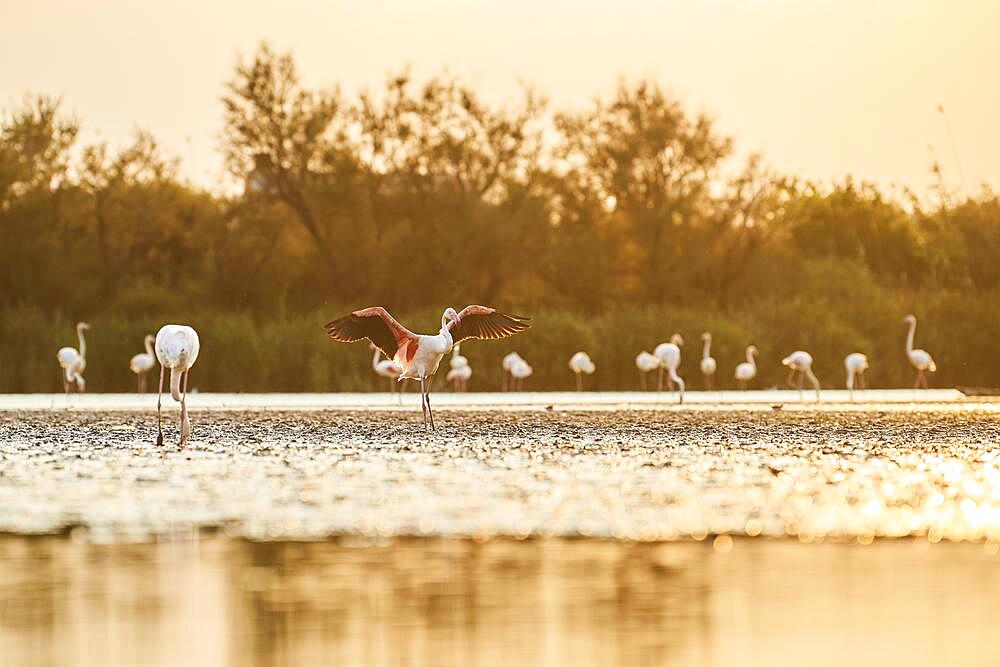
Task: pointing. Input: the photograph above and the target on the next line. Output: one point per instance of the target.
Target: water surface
(440, 602)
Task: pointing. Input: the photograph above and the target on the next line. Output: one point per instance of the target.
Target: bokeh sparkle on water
(643, 475)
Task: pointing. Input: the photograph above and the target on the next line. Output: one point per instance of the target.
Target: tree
(648, 165)
(277, 138)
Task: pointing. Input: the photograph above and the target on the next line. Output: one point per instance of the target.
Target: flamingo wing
(487, 323)
(375, 324)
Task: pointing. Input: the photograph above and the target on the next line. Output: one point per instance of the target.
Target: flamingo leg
(670, 383)
(138, 388)
(185, 423)
(579, 382)
(423, 400)
(430, 414)
(861, 380)
(708, 382)
(791, 376)
(920, 376)
(659, 381)
(159, 412)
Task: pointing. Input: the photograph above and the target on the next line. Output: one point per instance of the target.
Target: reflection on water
(216, 601)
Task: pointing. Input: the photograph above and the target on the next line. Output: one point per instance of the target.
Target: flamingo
(747, 370)
(708, 364)
(177, 348)
(519, 372)
(646, 363)
(581, 363)
(801, 362)
(460, 371)
(387, 368)
(457, 359)
(856, 364)
(507, 363)
(920, 359)
(420, 355)
(669, 355)
(459, 377)
(143, 362)
(74, 362)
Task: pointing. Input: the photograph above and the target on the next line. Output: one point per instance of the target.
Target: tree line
(614, 225)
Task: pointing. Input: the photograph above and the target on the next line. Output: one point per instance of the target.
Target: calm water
(218, 601)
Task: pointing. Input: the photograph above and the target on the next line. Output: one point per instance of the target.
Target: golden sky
(822, 88)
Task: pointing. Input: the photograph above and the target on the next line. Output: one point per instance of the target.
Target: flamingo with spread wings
(419, 355)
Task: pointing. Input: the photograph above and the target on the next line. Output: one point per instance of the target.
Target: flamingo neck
(83, 342)
(750, 358)
(909, 336)
(706, 348)
(446, 333)
(375, 359)
(148, 341)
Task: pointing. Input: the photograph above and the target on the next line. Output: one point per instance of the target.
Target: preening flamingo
(143, 362)
(507, 363)
(420, 355)
(74, 362)
(920, 359)
(669, 355)
(177, 348)
(460, 371)
(646, 363)
(387, 368)
(855, 363)
(520, 372)
(708, 365)
(801, 362)
(581, 363)
(747, 370)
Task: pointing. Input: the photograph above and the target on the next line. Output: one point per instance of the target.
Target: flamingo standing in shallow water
(708, 365)
(581, 363)
(386, 368)
(801, 362)
(177, 348)
(520, 372)
(669, 355)
(143, 362)
(420, 355)
(855, 363)
(507, 363)
(747, 370)
(646, 363)
(920, 359)
(74, 362)
(460, 371)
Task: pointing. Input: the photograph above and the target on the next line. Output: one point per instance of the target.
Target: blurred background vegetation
(614, 226)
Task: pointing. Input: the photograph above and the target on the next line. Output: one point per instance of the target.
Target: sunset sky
(821, 88)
